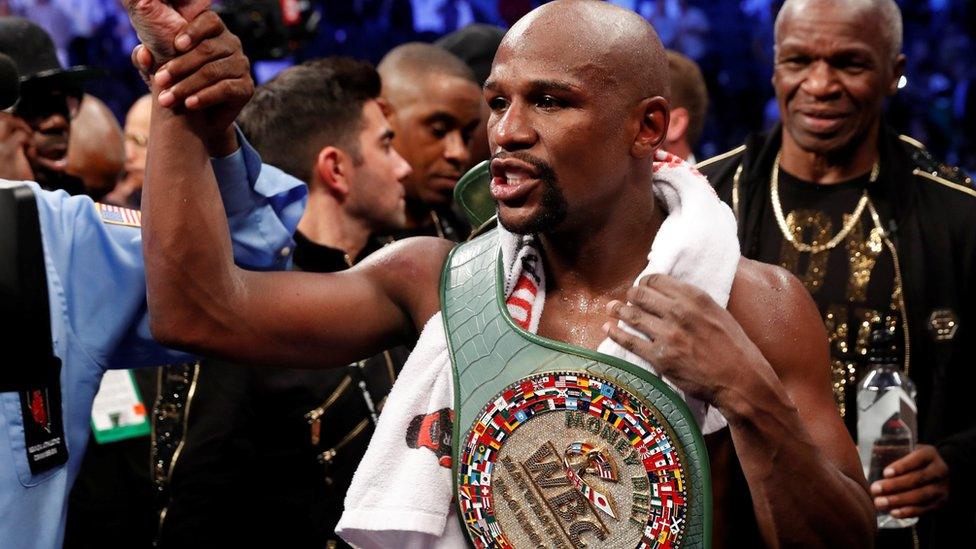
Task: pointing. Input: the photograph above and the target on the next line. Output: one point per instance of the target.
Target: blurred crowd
(730, 39)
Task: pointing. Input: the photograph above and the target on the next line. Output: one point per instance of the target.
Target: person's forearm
(799, 496)
(185, 236)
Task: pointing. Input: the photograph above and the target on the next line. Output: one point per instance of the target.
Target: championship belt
(559, 446)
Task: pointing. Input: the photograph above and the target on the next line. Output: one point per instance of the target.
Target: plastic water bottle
(886, 414)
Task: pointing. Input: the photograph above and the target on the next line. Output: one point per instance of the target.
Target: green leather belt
(560, 446)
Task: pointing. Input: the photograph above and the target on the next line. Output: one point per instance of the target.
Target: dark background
(731, 39)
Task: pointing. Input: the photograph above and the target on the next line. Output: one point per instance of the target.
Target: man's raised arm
(199, 300)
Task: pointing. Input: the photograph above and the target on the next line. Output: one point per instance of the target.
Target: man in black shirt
(435, 106)
(476, 45)
(267, 454)
(878, 232)
(50, 96)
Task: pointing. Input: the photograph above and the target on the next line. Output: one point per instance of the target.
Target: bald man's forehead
(573, 37)
(823, 27)
(404, 92)
(864, 20)
(822, 13)
(593, 42)
(536, 60)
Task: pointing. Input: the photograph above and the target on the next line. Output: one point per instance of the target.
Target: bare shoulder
(411, 259)
(779, 316)
(409, 271)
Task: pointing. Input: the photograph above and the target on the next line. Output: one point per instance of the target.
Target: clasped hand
(691, 340)
(192, 61)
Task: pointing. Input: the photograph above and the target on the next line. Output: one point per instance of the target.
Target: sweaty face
(376, 190)
(434, 123)
(833, 71)
(556, 132)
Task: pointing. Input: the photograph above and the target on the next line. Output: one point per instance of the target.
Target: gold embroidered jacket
(929, 212)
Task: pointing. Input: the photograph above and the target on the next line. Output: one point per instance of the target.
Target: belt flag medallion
(571, 459)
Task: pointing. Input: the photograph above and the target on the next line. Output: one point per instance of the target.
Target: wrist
(222, 145)
(218, 143)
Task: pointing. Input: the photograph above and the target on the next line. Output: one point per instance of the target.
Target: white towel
(401, 493)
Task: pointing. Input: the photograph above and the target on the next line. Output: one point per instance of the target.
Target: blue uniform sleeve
(96, 270)
(263, 213)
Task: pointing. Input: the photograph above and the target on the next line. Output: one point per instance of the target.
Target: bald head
(95, 150)
(137, 119)
(410, 65)
(436, 107)
(136, 143)
(605, 38)
(885, 13)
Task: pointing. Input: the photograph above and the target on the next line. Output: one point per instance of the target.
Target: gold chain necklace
(786, 229)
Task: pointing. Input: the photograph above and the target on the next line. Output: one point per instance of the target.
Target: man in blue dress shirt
(96, 291)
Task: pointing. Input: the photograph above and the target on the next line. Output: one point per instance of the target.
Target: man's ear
(653, 128)
(332, 167)
(678, 126)
(899, 71)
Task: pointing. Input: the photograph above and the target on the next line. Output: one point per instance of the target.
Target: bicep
(310, 320)
(792, 338)
(799, 352)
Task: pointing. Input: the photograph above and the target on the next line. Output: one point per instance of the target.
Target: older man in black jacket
(878, 231)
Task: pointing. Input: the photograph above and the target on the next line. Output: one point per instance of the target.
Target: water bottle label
(884, 415)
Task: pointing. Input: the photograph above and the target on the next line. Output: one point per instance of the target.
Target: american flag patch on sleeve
(119, 216)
